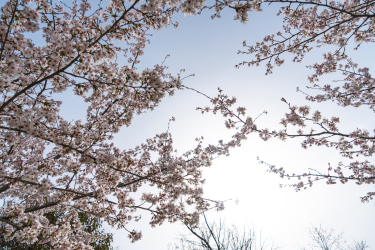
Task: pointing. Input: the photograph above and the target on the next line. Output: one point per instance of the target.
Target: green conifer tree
(90, 225)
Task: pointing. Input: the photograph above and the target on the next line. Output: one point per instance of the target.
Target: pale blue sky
(209, 48)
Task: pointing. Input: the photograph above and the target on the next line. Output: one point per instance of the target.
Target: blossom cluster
(322, 133)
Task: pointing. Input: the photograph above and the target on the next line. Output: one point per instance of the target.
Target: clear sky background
(208, 48)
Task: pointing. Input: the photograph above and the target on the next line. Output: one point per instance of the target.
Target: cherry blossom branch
(8, 30)
(318, 4)
(20, 228)
(66, 66)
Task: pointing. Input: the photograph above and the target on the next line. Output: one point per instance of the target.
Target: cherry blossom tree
(343, 25)
(90, 225)
(50, 165)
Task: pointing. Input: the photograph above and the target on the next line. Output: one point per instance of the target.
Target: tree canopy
(50, 165)
(90, 225)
